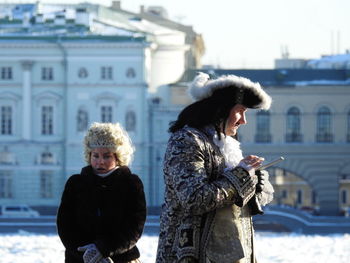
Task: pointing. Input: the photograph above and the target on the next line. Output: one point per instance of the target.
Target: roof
(281, 77)
(72, 19)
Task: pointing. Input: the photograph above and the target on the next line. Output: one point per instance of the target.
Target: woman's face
(102, 160)
(235, 119)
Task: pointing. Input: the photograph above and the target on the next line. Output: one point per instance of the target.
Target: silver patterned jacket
(205, 216)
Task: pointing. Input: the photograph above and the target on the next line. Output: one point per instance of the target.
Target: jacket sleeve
(185, 173)
(66, 226)
(125, 236)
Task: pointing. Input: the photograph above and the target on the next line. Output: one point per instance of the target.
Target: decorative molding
(27, 65)
(7, 95)
(107, 96)
(49, 95)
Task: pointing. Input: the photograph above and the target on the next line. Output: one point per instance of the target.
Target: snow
(271, 248)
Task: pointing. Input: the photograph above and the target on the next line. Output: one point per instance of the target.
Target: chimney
(116, 5)
(82, 17)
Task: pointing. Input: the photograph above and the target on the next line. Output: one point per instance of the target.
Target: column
(27, 109)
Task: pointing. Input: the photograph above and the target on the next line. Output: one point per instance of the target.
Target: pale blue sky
(250, 33)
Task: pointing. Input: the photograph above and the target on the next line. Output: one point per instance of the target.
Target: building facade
(63, 67)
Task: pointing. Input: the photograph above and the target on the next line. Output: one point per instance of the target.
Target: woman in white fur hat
(103, 209)
(211, 190)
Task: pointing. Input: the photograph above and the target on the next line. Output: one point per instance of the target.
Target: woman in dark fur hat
(212, 191)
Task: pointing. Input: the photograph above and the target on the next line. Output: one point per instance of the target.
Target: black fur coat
(107, 211)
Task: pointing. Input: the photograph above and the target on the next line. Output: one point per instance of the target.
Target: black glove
(261, 181)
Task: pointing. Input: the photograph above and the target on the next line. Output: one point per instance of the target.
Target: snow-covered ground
(271, 248)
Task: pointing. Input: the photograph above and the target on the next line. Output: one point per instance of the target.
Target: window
(82, 120)
(263, 127)
(6, 120)
(106, 114)
(5, 184)
(107, 73)
(47, 73)
(293, 125)
(284, 193)
(299, 197)
(47, 120)
(6, 73)
(47, 158)
(130, 73)
(46, 187)
(344, 196)
(130, 121)
(82, 73)
(324, 124)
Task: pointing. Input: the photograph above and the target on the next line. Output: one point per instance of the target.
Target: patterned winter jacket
(205, 214)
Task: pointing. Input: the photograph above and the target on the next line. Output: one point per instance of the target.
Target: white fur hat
(203, 87)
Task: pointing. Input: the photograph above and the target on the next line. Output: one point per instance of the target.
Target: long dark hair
(210, 111)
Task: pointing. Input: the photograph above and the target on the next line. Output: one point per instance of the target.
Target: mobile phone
(264, 166)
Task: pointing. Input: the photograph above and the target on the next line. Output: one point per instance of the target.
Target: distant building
(308, 124)
(63, 67)
(338, 61)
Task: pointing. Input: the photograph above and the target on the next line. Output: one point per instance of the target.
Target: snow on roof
(331, 61)
(100, 20)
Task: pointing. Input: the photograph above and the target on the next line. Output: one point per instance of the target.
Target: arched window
(130, 73)
(293, 125)
(82, 120)
(263, 127)
(324, 124)
(82, 73)
(6, 120)
(130, 121)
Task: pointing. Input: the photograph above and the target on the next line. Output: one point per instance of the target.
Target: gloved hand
(261, 180)
(91, 253)
(250, 163)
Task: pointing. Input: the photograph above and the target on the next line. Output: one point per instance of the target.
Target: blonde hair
(109, 135)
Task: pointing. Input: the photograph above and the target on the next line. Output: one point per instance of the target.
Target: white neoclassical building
(63, 67)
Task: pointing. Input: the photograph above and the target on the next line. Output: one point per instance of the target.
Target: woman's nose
(243, 119)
